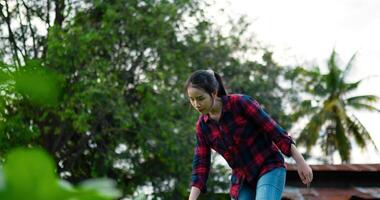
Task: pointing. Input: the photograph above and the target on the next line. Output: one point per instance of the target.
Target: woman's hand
(305, 173)
(304, 170)
(194, 193)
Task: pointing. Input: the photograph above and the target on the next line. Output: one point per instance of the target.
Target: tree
(330, 107)
(120, 111)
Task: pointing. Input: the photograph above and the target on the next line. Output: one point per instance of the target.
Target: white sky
(300, 31)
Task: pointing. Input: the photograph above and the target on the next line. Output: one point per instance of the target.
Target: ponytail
(221, 89)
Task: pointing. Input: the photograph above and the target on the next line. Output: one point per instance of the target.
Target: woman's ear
(214, 95)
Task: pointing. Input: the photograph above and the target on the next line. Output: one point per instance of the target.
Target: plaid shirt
(247, 138)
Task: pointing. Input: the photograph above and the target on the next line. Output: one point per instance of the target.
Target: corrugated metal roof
(330, 193)
(342, 167)
(333, 193)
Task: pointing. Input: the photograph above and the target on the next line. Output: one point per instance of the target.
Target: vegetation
(30, 174)
(331, 108)
(98, 85)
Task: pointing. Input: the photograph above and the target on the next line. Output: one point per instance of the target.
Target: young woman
(236, 127)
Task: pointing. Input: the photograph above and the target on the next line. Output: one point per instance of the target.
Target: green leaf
(37, 85)
(29, 174)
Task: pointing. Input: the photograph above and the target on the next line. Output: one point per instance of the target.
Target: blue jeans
(269, 186)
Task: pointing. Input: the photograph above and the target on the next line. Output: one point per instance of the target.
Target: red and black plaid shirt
(247, 138)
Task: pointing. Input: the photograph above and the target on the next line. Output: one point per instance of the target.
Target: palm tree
(329, 110)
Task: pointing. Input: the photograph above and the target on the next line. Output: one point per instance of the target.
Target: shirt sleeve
(201, 161)
(266, 124)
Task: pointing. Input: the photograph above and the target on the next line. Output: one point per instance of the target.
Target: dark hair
(206, 80)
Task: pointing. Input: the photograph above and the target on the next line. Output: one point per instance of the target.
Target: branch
(11, 35)
(45, 44)
(23, 32)
(31, 28)
(59, 8)
(48, 13)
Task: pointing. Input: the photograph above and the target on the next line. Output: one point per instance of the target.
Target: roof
(341, 167)
(330, 193)
(335, 182)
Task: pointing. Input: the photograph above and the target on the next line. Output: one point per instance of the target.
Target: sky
(301, 31)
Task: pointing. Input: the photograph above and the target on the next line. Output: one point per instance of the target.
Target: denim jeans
(269, 186)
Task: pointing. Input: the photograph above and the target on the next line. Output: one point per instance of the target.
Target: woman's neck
(217, 107)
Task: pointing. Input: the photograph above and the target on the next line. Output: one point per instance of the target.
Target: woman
(249, 140)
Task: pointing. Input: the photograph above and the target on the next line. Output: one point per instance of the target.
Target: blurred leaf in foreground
(30, 174)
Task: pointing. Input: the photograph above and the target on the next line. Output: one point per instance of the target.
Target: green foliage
(21, 90)
(120, 110)
(30, 174)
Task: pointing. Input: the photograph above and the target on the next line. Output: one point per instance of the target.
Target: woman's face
(200, 100)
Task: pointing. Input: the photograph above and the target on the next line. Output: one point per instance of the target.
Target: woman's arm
(304, 170)
(201, 164)
(194, 193)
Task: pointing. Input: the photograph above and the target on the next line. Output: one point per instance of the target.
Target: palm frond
(348, 67)
(353, 126)
(310, 134)
(363, 106)
(363, 99)
(363, 131)
(342, 142)
(332, 79)
(347, 87)
(354, 129)
(331, 61)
